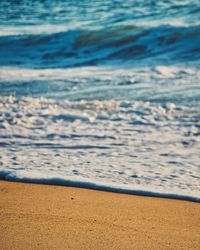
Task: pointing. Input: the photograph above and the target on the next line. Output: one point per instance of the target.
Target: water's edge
(8, 176)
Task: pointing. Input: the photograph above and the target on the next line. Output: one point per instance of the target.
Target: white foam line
(12, 176)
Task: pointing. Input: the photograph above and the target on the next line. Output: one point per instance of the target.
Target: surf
(112, 45)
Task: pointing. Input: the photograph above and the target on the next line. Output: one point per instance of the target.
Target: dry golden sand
(54, 217)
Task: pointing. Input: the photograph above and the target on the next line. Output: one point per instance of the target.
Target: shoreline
(57, 181)
(37, 216)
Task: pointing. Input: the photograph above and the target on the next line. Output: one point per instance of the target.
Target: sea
(101, 94)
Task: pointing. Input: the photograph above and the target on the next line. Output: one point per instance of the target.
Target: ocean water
(102, 94)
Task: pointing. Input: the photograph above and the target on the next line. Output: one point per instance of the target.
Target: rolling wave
(127, 44)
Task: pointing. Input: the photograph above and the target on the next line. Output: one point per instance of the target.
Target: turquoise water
(101, 94)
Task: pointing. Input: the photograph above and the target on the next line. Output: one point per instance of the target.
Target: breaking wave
(116, 44)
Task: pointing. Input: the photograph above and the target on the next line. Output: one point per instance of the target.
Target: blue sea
(101, 94)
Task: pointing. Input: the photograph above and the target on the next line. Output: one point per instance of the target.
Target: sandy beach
(55, 217)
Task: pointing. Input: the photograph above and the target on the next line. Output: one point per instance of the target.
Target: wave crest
(103, 46)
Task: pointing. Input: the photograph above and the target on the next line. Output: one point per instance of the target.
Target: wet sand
(36, 216)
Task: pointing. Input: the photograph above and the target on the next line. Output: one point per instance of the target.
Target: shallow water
(102, 94)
